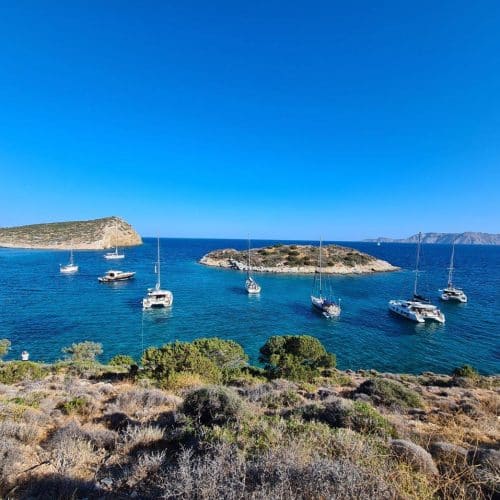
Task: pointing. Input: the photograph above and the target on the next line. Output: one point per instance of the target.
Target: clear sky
(278, 119)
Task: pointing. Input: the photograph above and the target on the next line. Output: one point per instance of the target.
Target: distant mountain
(81, 235)
(467, 238)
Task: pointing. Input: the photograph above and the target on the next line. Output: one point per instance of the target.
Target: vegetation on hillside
(280, 255)
(75, 233)
(194, 420)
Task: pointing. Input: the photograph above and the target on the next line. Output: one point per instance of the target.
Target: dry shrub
(141, 403)
(57, 487)
(24, 432)
(75, 457)
(98, 436)
(147, 465)
(140, 437)
(180, 381)
(11, 459)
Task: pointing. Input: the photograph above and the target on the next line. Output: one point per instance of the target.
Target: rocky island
(94, 234)
(467, 238)
(298, 259)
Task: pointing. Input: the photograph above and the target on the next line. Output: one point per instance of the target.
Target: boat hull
(68, 269)
(252, 287)
(113, 279)
(113, 256)
(326, 308)
(158, 299)
(416, 311)
(454, 295)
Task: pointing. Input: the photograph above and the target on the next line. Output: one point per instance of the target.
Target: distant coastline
(97, 234)
(298, 259)
(466, 238)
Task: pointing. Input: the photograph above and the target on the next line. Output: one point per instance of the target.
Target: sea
(43, 311)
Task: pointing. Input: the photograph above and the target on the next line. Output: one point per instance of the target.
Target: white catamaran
(417, 308)
(115, 255)
(251, 285)
(452, 293)
(328, 307)
(70, 267)
(156, 297)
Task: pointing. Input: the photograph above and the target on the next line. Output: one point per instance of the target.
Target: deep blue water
(43, 311)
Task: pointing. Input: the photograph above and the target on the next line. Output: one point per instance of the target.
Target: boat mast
(320, 266)
(450, 269)
(116, 238)
(416, 268)
(248, 266)
(71, 255)
(158, 266)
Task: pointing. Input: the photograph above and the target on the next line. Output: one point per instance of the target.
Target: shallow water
(43, 311)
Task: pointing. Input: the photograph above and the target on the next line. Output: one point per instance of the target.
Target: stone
(443, 451)
(414, 455)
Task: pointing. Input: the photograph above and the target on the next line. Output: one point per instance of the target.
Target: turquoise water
(43, 311)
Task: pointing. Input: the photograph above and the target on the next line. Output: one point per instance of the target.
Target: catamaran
(328, 307)
(452, 293)
(156, 297)
(251, 285)
(418, 308)
(70, 267)
(115, 255)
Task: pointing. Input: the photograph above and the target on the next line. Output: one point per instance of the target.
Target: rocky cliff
(467, 238)
(298, 259)
(81, 235)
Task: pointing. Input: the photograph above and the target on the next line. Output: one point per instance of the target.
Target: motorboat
(112, 276)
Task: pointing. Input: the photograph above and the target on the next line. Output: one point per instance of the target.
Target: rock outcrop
(95, 234)
(298, 259)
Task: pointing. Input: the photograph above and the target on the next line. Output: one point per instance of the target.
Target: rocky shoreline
(97, 234)
(298, 259)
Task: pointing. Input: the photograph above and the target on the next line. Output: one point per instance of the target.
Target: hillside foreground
(195, 421)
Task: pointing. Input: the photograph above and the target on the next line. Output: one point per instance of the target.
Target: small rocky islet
(96, 234)
(298, 259)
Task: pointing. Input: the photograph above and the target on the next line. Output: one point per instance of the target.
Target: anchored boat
(112, 276)
(70, 267)
(251, 285)
(156, 297)
(418, 309)
(116, 254)
(451, 293)
(328, 307)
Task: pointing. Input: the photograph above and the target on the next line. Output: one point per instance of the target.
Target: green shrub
(295, 357)
(83, 351)
(367, 420)
(228, 355)
(465, 371)
(161, 363)
(213, 405)
(121, 360)
(390, 393)
(4, 347)
(278, 400)
(79, 405)
(17, 371)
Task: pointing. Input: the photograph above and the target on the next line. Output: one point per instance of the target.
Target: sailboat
(328, 307)
(70, 267)
(451, 293)
(251, 285)
(115, 254)
(418, 308)
(156, 297)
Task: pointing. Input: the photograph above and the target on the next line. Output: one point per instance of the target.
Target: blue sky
(278, 119)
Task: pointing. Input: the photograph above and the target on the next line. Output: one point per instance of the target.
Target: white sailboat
(418, 308)
(156, 297)
(115, 255)
(328, 307)
(251, 285)
(452, 293)
(70, 267)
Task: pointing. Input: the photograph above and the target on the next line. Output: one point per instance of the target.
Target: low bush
(4, 347)
(466, 371)
(161, 363)
(390, 393)
(295, 357)
(83, 351)
(213, 405)
(79, 405)
(19, 371)
(121, 360)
